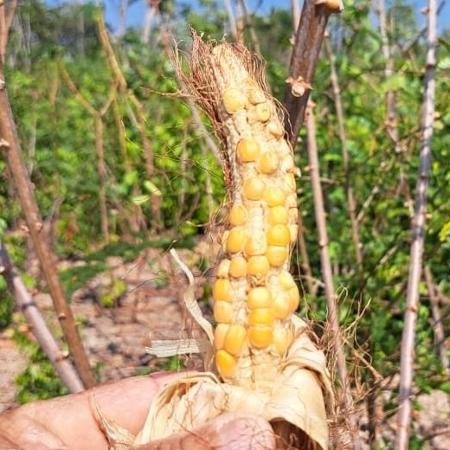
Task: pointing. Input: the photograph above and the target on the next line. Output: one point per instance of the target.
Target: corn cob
(266, 361)
(254, 294)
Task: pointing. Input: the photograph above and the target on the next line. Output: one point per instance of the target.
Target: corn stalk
(418, 238)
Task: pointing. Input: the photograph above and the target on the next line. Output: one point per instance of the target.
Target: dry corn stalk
(266, 361)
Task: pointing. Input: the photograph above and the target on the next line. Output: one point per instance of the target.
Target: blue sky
(137, 9)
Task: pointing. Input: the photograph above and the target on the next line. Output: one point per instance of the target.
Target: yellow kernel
(259, 297)
(282, 339)
(235, 338)
(274, 127)
(263, 112)
(294, 298)
(293, 233)
(258, 266)
(256, 244)
(260, 336)
(238, 214)
(223, 312)
(225, 363)
(238, 267)
(254, 188)
(274, 196)
(256, 96)
(260, 316)
(236, 240)
(219, 335)
(278, 235)
(276, 255)
(286, 280)
(278, 214)
(223, 269)
(233, 100)
(247, 150)
(268, 162)
(222, 290)
(281, 306)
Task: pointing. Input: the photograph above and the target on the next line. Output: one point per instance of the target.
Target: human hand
(68, 423)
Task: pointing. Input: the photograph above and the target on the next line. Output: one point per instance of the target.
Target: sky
(136, 10)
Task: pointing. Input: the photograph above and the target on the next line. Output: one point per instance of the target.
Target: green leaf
(140, 199)
(152, 188)
(445, 232)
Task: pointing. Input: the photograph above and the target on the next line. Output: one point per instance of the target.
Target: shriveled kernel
(223, 312)
(256, 96)
(263, 112)
(236, 240)
(276, 255)
(238, 267)
(260, 336)
(259, 297)
(268, 162)
(274, 127)
(254, 188)
(235, 338)
(290, 181)
(278, 235)
(261, 316)
(248, 150)
(278, 214)
(233, 100)
(258, 266)
(294, 298)
(274, 196)
(293, 215)
(223, 268)
(238, 214)
(286, 280)
(282, 339)
(219, 335)
(256, 244)
(222, 290)
(281, 306)
(293, 233)
(225, 363)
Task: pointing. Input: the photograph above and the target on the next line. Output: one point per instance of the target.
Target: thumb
(230, 431)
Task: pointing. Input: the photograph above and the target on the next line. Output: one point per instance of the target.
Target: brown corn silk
(266, 361)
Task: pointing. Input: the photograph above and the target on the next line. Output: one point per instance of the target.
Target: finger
(231, 431)
(71, 419)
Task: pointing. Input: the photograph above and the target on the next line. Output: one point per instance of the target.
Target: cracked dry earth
(116, 337)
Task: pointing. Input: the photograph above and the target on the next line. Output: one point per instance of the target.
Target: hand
(67, 423)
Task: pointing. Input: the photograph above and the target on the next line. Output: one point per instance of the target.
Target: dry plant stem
(391, 110)
(9, 144)
(418, 238)
(105, 42)
(351, 202)
(295, 8)
(231, 18)
(6, 19)
(39, 328)
(305, 264)
(320, 215)
(249, 22)
(308, 41)
(99, 144)
(437, 320)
